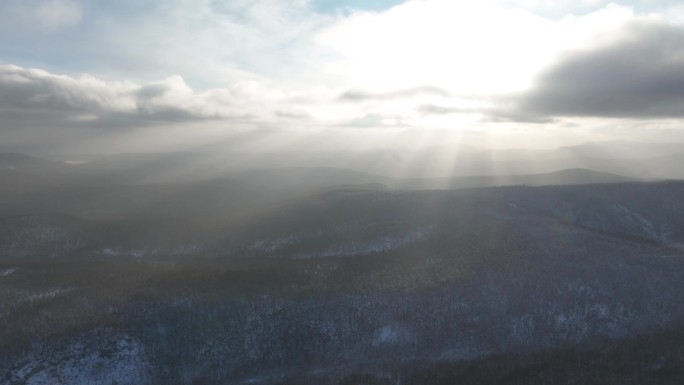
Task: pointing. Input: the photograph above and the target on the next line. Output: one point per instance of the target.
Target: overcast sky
(130, 75)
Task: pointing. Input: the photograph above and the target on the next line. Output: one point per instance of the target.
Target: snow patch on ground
(48, 294)
(8, 271)
(275, 244)
(383, 244)
(120, 359)
(118, 252)
(638, 221)
(678, 246)
(391, 335)
(149, 252)
(363, 244)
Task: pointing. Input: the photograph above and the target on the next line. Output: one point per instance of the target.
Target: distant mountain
(631, 159)
(664, 167)
(621, 149)
(179, 185)
(21, 176)
(171, 167)
(563, 177)
(305, 178)
(651, 167)
(20, 164)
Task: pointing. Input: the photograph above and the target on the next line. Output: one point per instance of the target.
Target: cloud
(434, 109)
(427, 64)
(360, 96)
(34, 89)
(210, 43)
(450, 44)
(638, 75)
(34, 94)
(375, 120)
(299, 115)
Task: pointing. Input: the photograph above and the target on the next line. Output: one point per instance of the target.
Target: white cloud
(33, 92)
(28, 89)
(465, 47)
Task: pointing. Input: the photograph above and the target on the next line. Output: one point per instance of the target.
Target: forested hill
(352, 286)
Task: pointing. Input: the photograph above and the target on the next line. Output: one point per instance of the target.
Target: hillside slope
(352, 285)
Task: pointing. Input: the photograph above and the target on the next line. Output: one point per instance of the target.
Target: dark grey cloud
(640, 75)
(362, 96)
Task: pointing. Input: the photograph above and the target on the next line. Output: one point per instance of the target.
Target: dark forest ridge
(136, 254)
(352, 285)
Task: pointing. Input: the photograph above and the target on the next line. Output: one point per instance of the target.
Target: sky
(87, 76)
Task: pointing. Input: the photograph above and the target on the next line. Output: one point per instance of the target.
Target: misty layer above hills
(192, 186)
(165, 203)
(633, 160)
(187, 202)
(212, 188)
(202, 187)
(636, 160)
